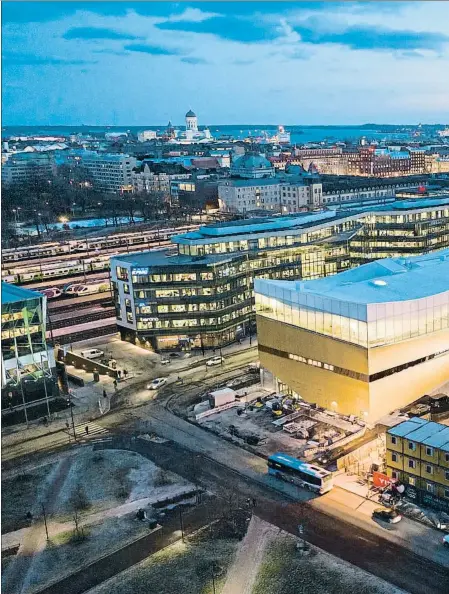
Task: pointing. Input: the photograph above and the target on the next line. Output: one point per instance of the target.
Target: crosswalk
(89, 430)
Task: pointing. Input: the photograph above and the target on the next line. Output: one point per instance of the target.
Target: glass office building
(200, 293)
(27, 361)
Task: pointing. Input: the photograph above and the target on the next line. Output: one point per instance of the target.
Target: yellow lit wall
(345, 394)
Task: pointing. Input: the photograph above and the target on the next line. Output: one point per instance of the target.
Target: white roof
(383, 281)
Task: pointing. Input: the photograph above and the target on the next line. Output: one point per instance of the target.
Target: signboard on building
(381, 480)
(140, 271)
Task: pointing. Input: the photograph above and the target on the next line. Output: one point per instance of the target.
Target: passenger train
(96, 244)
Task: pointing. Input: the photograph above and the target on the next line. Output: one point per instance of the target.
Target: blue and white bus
(300, 473)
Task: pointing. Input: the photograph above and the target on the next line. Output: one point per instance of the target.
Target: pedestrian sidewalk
(424, 515)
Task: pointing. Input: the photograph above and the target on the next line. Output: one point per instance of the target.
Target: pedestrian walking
(87, 430)
(254, 502)
(105, 394)
(125, 373)
(119, 374)
(67, 426)
(115, 384)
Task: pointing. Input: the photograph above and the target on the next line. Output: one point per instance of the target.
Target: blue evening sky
(126, 63)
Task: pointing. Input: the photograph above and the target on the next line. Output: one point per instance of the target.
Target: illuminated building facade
(201, 292)
(27, 360)
(364, 342)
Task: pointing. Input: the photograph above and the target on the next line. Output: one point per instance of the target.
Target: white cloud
(191, 15)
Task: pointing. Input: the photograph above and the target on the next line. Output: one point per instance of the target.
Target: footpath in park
(243, 572)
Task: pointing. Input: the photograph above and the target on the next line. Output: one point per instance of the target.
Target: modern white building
(363, 342)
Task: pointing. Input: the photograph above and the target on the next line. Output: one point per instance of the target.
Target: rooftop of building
(428, 433)
(166, 257)
(382, 281)
(251, 161)
(13, 294)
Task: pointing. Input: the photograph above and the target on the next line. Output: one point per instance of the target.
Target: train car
(88, 288)
(51, 293)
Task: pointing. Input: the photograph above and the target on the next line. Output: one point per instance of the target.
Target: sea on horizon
(299, 134)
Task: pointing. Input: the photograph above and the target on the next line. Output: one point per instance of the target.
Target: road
(409, 556)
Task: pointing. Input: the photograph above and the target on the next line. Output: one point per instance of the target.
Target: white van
(92, 354)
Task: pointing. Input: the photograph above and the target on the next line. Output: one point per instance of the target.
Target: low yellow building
(363, 342)
(418, 457)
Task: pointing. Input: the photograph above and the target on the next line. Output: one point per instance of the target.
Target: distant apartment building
(28, 166)
(143, 179)
(364, 342)
(27, 360)
(254, 185)
(364, 160)
(110, 172)
(418, 457)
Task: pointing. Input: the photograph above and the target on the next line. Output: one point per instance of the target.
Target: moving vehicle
(387, 515)
(165, 361)
(157, 383)
(308, 476)
(92, 353)
(446, 540)
(215, 361)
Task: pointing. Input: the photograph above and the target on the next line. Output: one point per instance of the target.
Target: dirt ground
(259, 423)
(285, 571)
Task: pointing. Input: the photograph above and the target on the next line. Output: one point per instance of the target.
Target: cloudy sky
(303, 63)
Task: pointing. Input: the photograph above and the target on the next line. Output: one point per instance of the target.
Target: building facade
(27, 360)
(302, 246)
(111, 172)
(24, 167)
(364, 342)
(418, 456)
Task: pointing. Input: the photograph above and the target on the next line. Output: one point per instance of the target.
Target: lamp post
(45, 384)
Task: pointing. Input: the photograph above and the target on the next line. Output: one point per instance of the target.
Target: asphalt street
(413, 559)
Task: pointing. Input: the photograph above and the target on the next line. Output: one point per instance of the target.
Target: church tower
(191, 121)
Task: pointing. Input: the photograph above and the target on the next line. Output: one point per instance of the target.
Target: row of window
(347, 372)
(412, 447)
(429, 469)
(430, 487)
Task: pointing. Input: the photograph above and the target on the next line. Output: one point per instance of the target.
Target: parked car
(215, 361)
(157, 383)
(446, 540)
(387, 515)
(175, 355)
(92, 353)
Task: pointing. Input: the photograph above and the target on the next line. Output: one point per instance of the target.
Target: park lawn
(285, 571)
(180, 568)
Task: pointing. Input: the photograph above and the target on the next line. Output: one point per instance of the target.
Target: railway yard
(74, 275)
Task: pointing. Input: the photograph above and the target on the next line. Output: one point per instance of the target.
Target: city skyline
(303, 63)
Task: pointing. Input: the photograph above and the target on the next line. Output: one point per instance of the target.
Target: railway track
(73, 318)
(74, 303)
